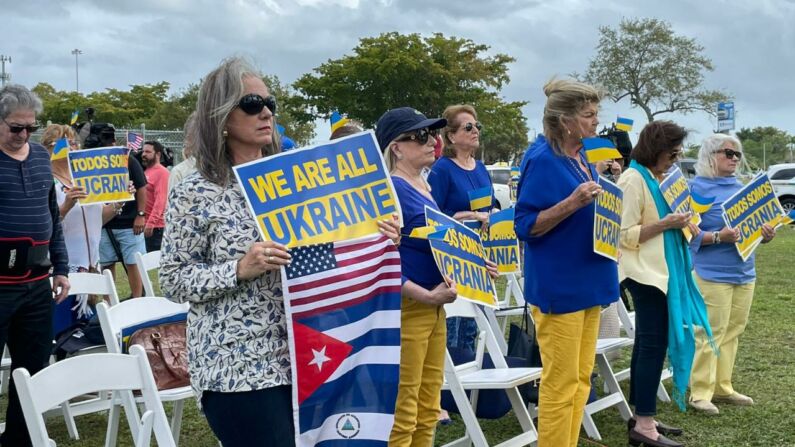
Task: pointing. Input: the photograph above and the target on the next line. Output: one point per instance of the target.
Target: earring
(399, 156)
(225, 133)
(568, 132)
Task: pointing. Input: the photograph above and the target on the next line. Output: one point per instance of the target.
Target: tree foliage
(659, 71)
(765, 146)
(290, 113)
(427, 73)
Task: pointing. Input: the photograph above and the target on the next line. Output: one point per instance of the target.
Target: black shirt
(130, 209)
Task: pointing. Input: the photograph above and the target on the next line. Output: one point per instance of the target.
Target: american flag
(134, 141)
(343, 309)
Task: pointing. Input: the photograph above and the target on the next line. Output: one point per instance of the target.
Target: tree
(429, 74)
(765, 146)
(290, 113)
(659, 71)
(173, 113)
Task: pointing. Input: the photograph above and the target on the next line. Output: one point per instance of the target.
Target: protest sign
(501, 244)
(750, 208)
(460, 256)
(607, 220)
(102, 173)
(330, 192)
(677, 194)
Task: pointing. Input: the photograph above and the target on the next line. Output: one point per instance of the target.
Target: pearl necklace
(578, 170)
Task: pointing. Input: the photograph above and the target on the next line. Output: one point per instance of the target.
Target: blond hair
(706, 164)
(565, 99)
(55, 132)
(451, 114)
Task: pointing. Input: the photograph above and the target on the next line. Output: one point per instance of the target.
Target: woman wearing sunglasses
(407, 138)
(655, 266)
(725, 280)
(456, 174)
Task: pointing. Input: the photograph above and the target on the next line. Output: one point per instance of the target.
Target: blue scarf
(685, 304)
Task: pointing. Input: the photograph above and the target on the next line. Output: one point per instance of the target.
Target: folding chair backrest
(627, 320)
(468, 309)
(135, 312)
(76, 376)
(94, 284)
(460, 308)
(147, 262)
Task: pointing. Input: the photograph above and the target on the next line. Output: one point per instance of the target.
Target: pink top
(156, 195)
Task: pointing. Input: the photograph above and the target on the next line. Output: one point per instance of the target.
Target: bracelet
(716, 237)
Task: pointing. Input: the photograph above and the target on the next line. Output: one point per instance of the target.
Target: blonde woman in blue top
(566, 283)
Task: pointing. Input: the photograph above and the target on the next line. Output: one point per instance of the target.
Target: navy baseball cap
(401, 120)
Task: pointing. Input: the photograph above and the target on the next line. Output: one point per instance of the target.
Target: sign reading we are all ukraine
(607, 220)
(102, 173)
(750, 208)
(461, 257)
(330, 192)
(501, 244)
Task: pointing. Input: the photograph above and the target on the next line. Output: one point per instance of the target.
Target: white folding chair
(614, 396)
(471, 376)
(121, 373)
(147, 262)
(131, 313)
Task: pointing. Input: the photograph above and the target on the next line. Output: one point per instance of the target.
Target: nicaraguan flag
(480, 198)
(700, 204)
(60, 149)
(599, 149)
(342, 301)
(624, 124)
(338, 120)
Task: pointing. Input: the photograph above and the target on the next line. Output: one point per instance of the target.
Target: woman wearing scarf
(655, 267)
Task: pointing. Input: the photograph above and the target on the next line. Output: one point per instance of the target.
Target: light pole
(4, 77)
(77, 52)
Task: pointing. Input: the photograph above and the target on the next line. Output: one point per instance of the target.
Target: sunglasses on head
(15, 128)
(421, 136)
(253, 104)
(729, 153)
(469, 126)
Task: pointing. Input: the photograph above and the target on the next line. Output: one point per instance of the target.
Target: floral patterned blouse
(237, 334)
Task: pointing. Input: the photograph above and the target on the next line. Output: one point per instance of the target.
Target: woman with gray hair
(725, 280)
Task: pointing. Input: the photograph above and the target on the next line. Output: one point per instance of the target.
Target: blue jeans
(651, 344)
(461, 333)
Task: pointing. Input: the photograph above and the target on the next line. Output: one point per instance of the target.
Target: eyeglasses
(14, 128)
(421, 136)
(253, 104)
(729, 153)
(469, 126)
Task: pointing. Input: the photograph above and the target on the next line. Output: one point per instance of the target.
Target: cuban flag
(343, 313)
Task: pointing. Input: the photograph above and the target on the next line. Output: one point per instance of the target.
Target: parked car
(688, 167)
(782, 176)
(500, 176)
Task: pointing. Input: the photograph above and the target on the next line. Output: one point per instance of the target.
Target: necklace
(422, 187)
(578, 170)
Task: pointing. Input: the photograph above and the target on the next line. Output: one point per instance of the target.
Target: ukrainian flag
(599, 149)
(338, 120)
(624, 124)
(430, 232)
(700, 204)
(60, 149)
(73, 119)
(480, 198)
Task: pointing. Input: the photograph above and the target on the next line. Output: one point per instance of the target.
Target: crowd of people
(213, 258)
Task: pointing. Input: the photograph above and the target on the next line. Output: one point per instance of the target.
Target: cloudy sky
(752, 44)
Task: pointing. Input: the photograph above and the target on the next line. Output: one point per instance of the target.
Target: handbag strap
(526, 317)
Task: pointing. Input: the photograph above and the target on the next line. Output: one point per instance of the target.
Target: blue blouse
(451, 183)
(718, 262)
(416, 259)
(562, 273)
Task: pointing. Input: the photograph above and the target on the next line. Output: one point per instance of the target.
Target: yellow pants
(568, 352)
(728, 306)
(423, 334)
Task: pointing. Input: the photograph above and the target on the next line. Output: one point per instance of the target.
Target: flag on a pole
(60, 150)
(624, 124)
(700, 204)
(134, 141)
(479, 198)
(342, 301)
(338, 120)
(599, 149)
(74, 117)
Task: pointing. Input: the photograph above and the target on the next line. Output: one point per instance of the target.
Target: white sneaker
(704, 406)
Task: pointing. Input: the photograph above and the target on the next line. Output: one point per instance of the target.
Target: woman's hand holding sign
(442, 294)
(585, 194)
(261, 257)
(390, 229)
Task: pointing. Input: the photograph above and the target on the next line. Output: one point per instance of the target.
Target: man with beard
(157, 192)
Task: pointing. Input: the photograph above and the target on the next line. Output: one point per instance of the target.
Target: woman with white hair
(725, 280)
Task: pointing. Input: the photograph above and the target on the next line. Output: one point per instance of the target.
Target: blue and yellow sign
(102, 173)
(330, 192)
(750, 208)
(501, 244)
(461, 256)
(677, 194)
(607, 220)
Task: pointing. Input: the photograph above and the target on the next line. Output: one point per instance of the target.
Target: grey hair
(706, 164)
(565, 98)
(220, 92)
(15, 97)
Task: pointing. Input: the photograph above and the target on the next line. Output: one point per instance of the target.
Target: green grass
(765, 370)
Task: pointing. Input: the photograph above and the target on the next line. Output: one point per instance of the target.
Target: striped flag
(342, 301)
(624, 124)
(60, 150)
(479, 198)
(599, 149)
(430, 232)
(134, 141)
(74, 117)
(338, 120)
(700, 204)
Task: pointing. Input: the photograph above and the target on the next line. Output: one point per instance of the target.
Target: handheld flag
(60, 149)
(134, 141)
(479, 198)
(338, 120)
(700, 204)
(624, 124)
(430, 232)
(73, 119)
(599, 149)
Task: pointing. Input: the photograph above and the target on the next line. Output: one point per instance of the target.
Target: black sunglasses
(469, 126)
(420, 136)
(253, 104)
(730, 153)
(17, 129)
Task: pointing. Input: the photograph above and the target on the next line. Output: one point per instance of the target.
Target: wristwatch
(141, 213)
(716, 237)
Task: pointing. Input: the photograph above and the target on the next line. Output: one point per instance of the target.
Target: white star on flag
(319, 358)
